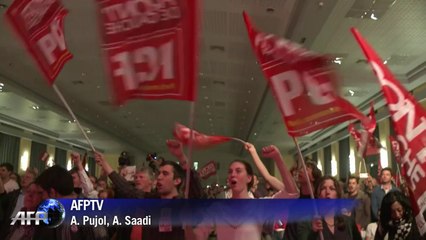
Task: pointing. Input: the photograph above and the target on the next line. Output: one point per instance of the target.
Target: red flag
(366, 143)
(409, 120)
(208, 170)
(397, 152)
(40, 25)
(151, 48)
(303, 84)
(371, 126)
(200, 140)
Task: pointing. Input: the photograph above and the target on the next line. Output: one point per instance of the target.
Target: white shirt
(10, 185)
(234, 230)
(371, 231)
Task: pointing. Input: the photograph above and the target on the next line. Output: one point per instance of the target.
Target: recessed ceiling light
(35, 107)
(210, 119)
(352, 92)
(1, 84)
(206, 98)
(252, 78)
(255, 134)
(373, 17)
(98, 86)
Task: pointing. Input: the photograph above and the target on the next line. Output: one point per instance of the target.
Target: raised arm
(275, 182)
(123, 186)
(288, 180)
(175, 148)
(86, 184)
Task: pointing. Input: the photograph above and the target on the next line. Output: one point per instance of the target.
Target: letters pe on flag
(303, 84)
(40, 25)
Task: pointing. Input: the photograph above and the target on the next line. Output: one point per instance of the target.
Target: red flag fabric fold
(40, 25)
(151, 48)
(200, 140)
(409, 121)
(303, 84)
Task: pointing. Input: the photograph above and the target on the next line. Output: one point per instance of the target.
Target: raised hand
(271, 152)
(100, 160)
(250, 147)
(175, 147)
(75, 157)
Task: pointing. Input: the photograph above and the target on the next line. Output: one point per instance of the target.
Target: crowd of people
(382, 210)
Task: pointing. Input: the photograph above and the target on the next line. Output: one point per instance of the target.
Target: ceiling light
(255, 134)
(385, 62)
(351, 92)
(73, 121)
(210, 119)
(246, 101)
(338, 60)
(373, 17)
(209, 113)
(98, 86)
(207, 106)
(35, 107)
(1, 84)
(83, 74)
(252, 78)
(206, 98)
(249, 91)
(88, 131)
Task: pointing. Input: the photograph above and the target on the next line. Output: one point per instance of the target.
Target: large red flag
(151, 48)
(409, 120)
(40, 25)
(303, 83)
(200, 140)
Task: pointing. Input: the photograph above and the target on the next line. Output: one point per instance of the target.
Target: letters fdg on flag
(151, 48)
(409, 121)
(40, 25)
(303, 84)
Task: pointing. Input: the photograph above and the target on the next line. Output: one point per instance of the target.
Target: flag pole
(191, 138)
(311, 191)
(72, 115)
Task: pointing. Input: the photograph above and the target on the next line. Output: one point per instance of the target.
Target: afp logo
(27, 217)
(50, 213)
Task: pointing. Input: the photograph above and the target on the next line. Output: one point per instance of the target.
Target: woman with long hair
(332, 224)
(396, 218)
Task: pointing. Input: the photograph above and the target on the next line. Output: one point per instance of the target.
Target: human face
(103, 195)
(302, 175)
(166, 184)
(369, 182)
(33, 197)
(353, 186)
(238, 177)
(102, 184)
(76, 180)
(27, 179)
(4, 173)
(328, 190)
(143, 182)
(386, 177)
(397, 211)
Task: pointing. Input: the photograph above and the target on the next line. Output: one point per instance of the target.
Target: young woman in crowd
(396, 218)
(240, 179)
(332, 224)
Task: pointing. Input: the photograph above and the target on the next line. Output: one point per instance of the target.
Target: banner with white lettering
(151, 48)
(40, 25)
(208, 170)
(303, 83)
(409, 120)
